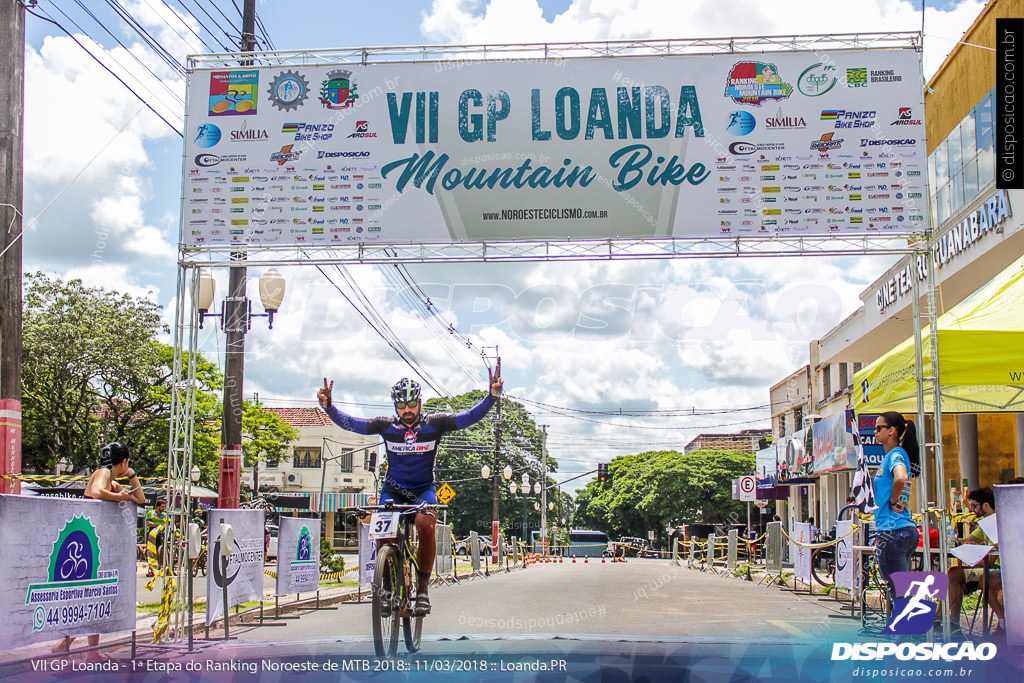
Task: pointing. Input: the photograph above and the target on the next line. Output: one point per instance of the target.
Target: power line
(105, 67)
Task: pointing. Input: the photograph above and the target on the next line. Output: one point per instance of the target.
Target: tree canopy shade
(653, 489)
(94, 371)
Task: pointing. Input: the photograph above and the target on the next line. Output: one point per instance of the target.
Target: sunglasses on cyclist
(401, 405)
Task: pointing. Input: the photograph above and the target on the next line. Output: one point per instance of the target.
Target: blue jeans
(893, 550)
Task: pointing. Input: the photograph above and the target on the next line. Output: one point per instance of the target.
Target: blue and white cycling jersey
(412, 450)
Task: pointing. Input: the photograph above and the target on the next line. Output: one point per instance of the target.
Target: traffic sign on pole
(748, 488)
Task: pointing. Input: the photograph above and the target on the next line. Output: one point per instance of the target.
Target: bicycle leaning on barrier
(393, 532)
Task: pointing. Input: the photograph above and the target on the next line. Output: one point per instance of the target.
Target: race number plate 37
(384, 526)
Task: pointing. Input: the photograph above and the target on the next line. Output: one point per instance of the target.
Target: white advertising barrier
(444, 559)
(298, 555)
(244, 576)
(847, 561)
(801, 556)
(593, 148)
(1010, 522)
(773, 547)
(367, 556)
(68, 568)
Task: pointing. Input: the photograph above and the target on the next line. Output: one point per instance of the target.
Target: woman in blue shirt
(896, 533)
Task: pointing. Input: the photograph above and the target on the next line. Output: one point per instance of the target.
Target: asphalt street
(648, 599)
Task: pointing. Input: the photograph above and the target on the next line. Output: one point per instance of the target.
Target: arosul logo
(906, 118)
(363, 130)
(914, 612)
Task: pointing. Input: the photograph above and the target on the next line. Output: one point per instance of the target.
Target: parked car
(273, 530)
(630, 546)
(462, 547)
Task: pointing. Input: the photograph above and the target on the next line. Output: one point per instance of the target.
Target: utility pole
(12, 105)
(544, 491)
(236, 320)
(495, 519)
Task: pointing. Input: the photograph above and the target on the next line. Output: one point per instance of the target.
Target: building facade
(979, 232)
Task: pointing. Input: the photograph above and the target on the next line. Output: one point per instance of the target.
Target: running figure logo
(914, 612)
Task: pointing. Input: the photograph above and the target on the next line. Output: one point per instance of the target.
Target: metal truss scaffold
(840, 244)
(179, 454)
(568, 50)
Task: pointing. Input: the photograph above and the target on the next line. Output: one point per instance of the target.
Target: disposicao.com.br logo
(914, 614)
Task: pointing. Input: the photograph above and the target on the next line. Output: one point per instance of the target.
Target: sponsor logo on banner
(233, 93)
(73, 573)
(285, 155)
(817, 79)
(740, 123)
(321, 154)
(754, 83)
(288, 90)
(307, 132)
(905, 117)
(338, 91)
(885, 76)
(865, 142)
(782, 122)
(363, 130)
(849, 119)
(207, 135)
(246, 134)
(826, 143)
(207, 160)
(857, 78)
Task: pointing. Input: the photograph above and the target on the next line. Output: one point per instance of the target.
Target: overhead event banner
(298, 555)
(244, 575)
(594, 148)
(67, 568)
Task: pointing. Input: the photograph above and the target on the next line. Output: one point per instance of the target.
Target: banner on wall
(244, 576)
(298, 555)
(801, 556)
(591, 148)
(74, 574)
(833, 443)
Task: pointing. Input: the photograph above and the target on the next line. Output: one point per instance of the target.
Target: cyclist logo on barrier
(914, 612)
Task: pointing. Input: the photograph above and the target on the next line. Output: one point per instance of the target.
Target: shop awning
(981, 357)
(331, 502)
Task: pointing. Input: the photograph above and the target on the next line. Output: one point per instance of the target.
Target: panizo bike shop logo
(73, 575)
(915, 601)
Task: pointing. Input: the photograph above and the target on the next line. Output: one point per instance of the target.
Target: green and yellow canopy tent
(981, 357)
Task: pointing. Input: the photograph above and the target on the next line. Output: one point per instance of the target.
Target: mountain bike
(396, 575)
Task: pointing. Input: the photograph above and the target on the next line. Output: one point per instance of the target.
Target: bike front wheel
(412, 626)
(387, 600)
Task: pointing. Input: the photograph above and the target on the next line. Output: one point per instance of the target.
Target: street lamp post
(236, 319)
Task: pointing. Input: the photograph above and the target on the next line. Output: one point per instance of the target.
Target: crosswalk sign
(445, 493)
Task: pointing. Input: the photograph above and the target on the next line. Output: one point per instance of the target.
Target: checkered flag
(863, 486)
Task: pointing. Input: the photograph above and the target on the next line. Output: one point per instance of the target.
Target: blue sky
(112, 219)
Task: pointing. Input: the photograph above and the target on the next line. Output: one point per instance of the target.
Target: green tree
(265, 436)
(94, 372)
(650, 490)
(79, 343)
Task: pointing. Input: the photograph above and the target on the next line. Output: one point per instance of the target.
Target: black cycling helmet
(405, 390)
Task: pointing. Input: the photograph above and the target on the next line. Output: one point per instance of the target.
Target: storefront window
(956, 156)
(306, 458)
(983, 122)
(971, 179)
(967, 137)
(956, 190)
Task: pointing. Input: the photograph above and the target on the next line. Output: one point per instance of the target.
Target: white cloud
(513, 21)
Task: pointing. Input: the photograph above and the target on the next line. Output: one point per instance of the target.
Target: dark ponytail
(906, 430)
(113, 454)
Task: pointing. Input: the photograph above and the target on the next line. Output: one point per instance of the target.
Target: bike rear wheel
(387, 600)
(820, 557)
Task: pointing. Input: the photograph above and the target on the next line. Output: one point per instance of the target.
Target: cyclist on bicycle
(411, 441)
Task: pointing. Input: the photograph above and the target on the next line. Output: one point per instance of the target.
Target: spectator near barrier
(155, 520)
(966, 580)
